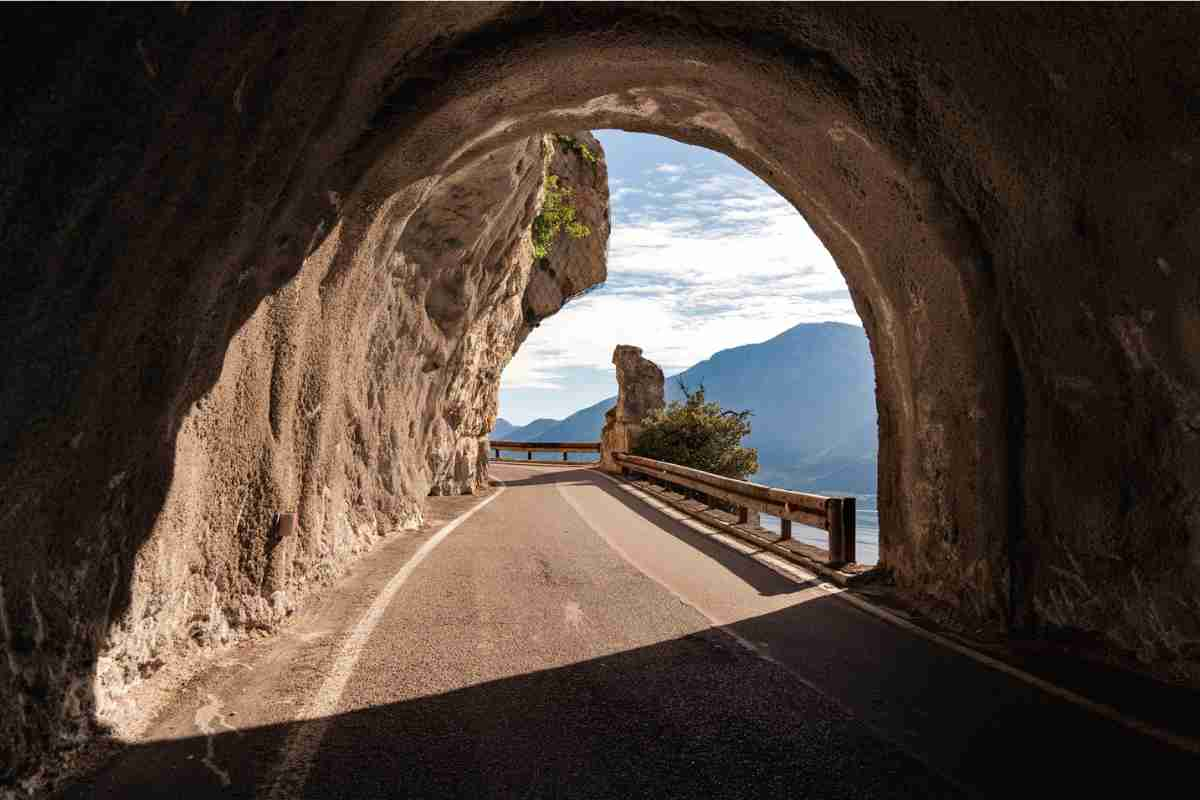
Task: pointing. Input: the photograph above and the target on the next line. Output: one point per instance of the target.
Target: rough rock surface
(640, 390)
(349, 395)
(1011, 192)
(574, 265)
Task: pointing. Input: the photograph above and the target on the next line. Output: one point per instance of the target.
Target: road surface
(568, 640)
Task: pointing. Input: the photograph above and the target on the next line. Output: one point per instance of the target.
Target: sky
(703, 256)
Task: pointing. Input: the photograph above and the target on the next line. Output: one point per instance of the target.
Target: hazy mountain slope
(809, 388)
(812, 391)
(582, 426)
(502, 429)
(530, 432)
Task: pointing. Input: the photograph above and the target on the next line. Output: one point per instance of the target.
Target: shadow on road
(694, 717)
(697, 716)
(763, 580)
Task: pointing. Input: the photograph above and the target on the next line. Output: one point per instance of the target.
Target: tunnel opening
(705, 265)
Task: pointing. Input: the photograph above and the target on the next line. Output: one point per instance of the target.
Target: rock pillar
(639, 394)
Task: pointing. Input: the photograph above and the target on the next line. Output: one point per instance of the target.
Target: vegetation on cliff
(570, 143)
(557, 215)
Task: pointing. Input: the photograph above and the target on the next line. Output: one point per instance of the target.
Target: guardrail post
(848, 535)
(833, 524)
(529, 455)
(743, 515)
(839, 516)
(497, 449)
(785, 529)
(564, 455)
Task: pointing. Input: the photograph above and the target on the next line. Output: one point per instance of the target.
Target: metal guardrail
(832, 514)
(545, 447)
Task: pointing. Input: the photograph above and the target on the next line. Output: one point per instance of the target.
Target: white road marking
(1108, 712)
(649, 572)
(208, 719)
(768, 559)
(305, 740)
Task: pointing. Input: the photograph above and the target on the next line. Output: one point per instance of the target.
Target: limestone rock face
(574, 265)
(365, 383)
(639, 393)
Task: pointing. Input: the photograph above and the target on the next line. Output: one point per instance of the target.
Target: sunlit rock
(639, 394)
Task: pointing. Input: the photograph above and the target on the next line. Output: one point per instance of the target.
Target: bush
(698, 434)
(570, 143)
(556, 215)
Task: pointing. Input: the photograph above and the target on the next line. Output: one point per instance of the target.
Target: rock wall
(347, 396)
(1010, 191)
(640, 392)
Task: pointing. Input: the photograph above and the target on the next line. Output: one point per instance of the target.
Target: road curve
(568, 640)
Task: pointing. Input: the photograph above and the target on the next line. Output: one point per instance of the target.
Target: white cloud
(722, 261)
(526, 373)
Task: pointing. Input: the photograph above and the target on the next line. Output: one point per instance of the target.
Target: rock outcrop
(639, 394)
(200, 210)
(574, 265)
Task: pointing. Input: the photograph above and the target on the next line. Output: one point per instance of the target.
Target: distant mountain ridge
(812, 391)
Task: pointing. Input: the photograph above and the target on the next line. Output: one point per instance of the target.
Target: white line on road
(208, 719)
(1146, 729)
(305, 740)
(759, 650)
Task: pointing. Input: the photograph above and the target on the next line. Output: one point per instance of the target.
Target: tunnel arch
(948, 382)
(1011, 194)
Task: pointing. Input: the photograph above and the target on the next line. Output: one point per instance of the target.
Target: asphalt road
(568, 640)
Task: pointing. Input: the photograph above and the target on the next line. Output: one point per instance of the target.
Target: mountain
(812, 391)
(582, 426)
(531, 432)
(502, 429)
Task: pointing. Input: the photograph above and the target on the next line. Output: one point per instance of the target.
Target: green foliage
(557, 215)
(699, 434)
(571, 143)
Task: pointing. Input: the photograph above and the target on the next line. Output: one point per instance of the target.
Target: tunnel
(264, 259)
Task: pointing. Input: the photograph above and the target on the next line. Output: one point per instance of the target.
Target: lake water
(866, 529)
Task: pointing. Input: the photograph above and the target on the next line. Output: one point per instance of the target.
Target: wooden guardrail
(832, 514)
(545, 447)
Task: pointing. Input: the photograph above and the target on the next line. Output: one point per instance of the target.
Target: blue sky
(703, 256)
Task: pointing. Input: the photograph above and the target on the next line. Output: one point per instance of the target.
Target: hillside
(532, 432)
(812, 391)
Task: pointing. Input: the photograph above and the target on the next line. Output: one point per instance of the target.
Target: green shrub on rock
(570, 143)
(557, 215)
(699, 434)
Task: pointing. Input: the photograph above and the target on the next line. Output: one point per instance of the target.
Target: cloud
(720, 261)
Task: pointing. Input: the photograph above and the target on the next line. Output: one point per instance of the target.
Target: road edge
(1184, 743)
